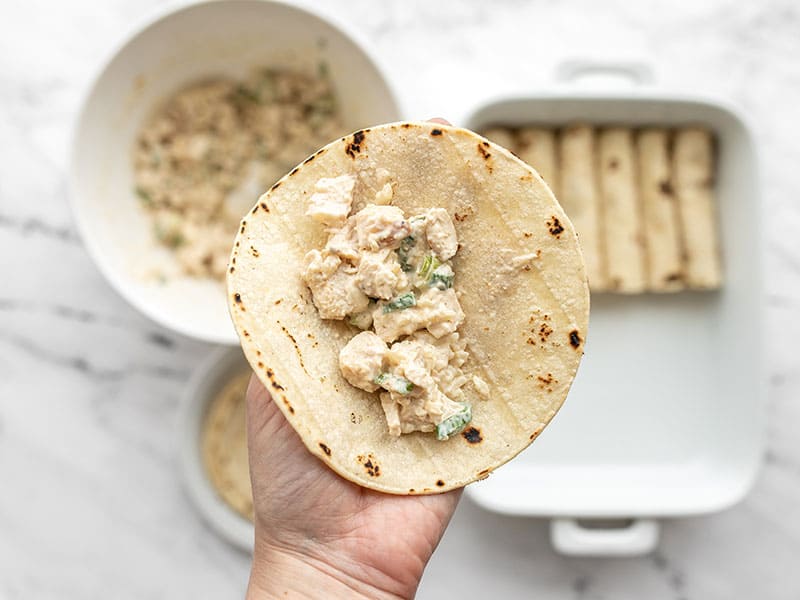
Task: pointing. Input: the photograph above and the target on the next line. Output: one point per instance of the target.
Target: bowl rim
(193, 407)
(113, 277)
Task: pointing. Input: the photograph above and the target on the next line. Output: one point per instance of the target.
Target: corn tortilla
(519, 274)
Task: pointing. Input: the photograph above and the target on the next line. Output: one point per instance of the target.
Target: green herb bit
(144, 195)
(454, 424)
(429, 264)
(406, 245)
(169, 237)
(442, 278)
(394, 383)
(402, 302)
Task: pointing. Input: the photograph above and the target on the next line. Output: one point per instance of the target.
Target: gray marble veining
(90, 499)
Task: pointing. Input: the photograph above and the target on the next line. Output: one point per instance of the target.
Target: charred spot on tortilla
(436, 132)
(666, 187)
(325, 449)
(232, 269)
(254, 251)
(309, 159)
(472, 435)
(237, 297)
(285, 401)
(613, 164)
(371, 466)
(554, 226)
(354, 147)
(296, 346)
(574, 338)
(275, 186)
(483, 152)
(260, 365)
(674, 277)
(440, 483)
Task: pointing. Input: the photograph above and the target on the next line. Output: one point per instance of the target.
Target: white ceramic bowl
(208, 380)
(198, 41)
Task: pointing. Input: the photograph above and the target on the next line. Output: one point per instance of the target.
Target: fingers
(439, 120)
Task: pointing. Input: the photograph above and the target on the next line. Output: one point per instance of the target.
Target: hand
(319, 535)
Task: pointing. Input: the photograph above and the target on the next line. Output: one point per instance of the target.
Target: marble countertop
(91, 504)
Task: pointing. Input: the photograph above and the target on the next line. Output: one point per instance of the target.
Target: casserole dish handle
(572, 71)
(570, 537)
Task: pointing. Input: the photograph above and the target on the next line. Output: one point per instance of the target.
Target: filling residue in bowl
(209, 150)
(224, 446)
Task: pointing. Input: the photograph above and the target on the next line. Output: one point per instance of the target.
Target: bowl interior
(201, 41)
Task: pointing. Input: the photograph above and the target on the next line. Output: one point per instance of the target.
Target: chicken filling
(392, 277)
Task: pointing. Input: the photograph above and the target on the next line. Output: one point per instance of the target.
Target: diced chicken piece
(384, 195)
(380, 227)
(342, 242)
(392, 411)
(481, 387)
(443, 358)
(436, 310)
(405, 414)
(441, 233)
(361, 360)
(379, 274)
(332, 200)
(336, 293)
(408, 359)
(320, 266)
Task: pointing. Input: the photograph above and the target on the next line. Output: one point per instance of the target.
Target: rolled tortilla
(580, 197)
(621, 211)
(502, 136)
(661, 226)
(693, 182)
(537, 147)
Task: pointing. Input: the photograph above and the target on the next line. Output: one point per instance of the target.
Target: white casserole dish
(665, 415)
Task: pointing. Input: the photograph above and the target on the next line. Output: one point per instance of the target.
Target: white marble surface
(90, 500)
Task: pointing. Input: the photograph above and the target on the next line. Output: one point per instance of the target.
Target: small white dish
(178, 47)
(208, 380)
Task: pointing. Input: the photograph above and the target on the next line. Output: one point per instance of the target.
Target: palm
(300, 503)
